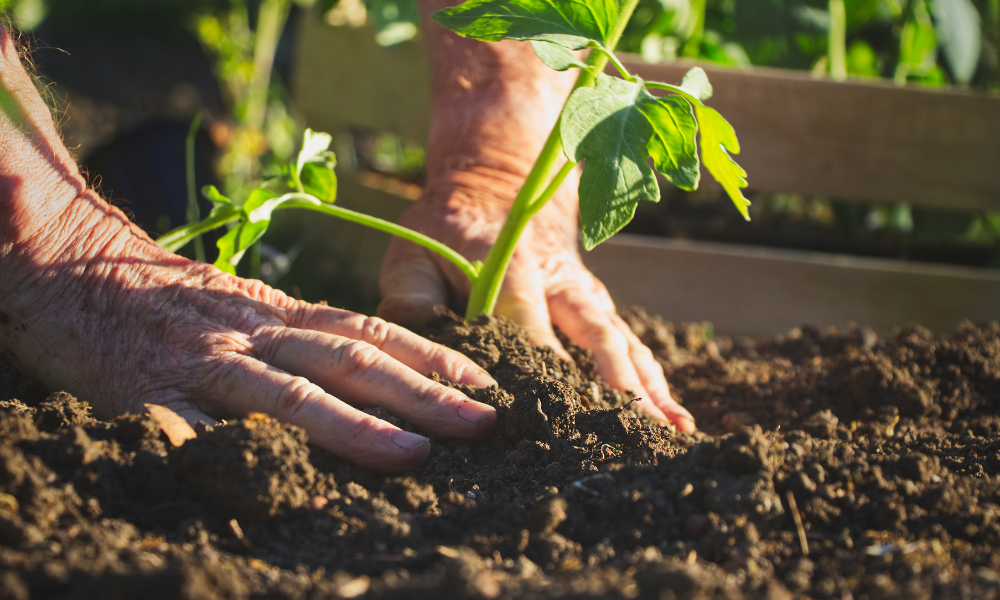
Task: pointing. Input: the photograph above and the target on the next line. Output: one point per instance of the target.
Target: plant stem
(472, 271)
(193, 214)
(692, 46)
(838, 41)
(541, 184)
(178, 238)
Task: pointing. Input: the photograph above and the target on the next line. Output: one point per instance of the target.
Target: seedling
(614, 125)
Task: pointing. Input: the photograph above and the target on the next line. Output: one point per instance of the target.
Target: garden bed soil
(830, 464)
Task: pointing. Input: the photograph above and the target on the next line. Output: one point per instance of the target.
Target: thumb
(411, 283)
(523, 301)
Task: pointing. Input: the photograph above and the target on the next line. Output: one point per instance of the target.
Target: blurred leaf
(395, 21)
(862, 60)
(320, 181)
(958, 29)
(569, 24)
(556, 57)
(696, 83)
(917, 45)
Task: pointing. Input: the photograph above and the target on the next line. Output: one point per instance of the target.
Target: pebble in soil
(888, 449)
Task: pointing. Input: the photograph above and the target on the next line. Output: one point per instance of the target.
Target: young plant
(615, 125)
(307, 182)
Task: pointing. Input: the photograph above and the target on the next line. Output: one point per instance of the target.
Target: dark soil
(834, 464)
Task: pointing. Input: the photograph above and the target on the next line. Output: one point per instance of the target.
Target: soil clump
(830, 464)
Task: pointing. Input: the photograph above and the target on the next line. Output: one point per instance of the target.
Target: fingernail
(683, 422)
(479, 378)
(407, 440)
(474, 412)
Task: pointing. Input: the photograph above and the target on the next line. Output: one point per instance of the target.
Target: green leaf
(315, 149)
(569, 23)
(696, 83)
(557, 57)
(321, 181)
(605, 126)
(673, 144)
(215, 196)
(958, 29)
(235, 242)
(717, 136)
(261, 212)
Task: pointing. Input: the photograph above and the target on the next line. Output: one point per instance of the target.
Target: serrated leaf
(568, 23)
(319, 180)
(696, 83)
(718, 136)
(604, 126)
(557, 57)
(673, 145)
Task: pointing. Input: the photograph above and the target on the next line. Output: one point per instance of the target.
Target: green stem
(692, 46)
(617, 63)
(538, 188)
(178, 238)
(838, 40)
(471, 270)
(193, 214)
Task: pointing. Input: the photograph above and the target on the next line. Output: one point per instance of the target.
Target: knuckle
(357, 358)
(376, 331)
(291, 397)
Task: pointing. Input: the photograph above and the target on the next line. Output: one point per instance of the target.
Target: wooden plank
(856, 141)
(852, 140)
(746, 290)
(342, 78)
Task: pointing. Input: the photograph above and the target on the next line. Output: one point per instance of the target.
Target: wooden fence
(855, 140)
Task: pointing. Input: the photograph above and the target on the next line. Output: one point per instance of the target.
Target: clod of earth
(889, 449)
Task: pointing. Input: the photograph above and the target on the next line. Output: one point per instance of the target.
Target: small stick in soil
(798, 523)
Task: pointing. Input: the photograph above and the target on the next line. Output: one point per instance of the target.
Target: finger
(652, 378)
(582, 320)
(411, 284)
(191, 413)
(250, 385)
(524, 303)
(360, 374)
(417, 353)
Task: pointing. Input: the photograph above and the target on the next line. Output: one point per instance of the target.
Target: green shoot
(615, 125)
(308, 182)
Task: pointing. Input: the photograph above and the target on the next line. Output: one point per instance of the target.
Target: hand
(89, 304)
(493, 106)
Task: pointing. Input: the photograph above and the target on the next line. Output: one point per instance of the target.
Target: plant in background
(614, 125)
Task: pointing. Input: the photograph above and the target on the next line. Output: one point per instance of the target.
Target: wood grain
(856, 141)
(746, 290)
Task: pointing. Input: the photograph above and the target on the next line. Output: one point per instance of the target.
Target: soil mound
(831, 464)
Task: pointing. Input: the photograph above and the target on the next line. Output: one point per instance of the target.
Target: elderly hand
(494, 104)
(89, 304)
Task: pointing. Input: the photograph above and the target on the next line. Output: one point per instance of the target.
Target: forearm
(53, 231)
(493, 106)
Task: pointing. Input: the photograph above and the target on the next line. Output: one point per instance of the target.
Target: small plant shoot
(612, 124)
(307, 182)
(615, 126)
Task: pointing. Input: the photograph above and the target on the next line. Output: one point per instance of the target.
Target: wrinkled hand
(89, 304)
(547, 284)
(493, 106)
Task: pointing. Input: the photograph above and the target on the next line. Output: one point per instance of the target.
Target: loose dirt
(831, 464)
